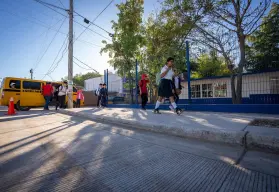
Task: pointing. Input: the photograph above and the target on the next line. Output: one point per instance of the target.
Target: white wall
(114, 83)
(251, 84)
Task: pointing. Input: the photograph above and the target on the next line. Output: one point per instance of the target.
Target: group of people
(169, 87)
(102, 94)
(58, 92)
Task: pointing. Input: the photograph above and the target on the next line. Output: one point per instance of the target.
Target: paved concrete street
(48, 151)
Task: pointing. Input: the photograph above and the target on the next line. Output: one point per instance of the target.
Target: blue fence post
(136, 81)
(188, 71)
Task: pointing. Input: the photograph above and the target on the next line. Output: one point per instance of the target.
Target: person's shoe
(156, 111)
(171, 108)
(143, 108)
(178, 111)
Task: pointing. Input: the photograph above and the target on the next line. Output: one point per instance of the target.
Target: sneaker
(143, 108)
(156, 111)
(178, 111)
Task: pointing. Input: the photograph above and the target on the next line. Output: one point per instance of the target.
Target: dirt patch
(272, 123)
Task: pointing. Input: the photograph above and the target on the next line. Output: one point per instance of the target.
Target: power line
(80, 66)
(85, 64)
(50, 70)
(95, 18)
(40, 23)
(48, 6)
(87, 21)
(45, 4)
(51, 5)
(49, 45)
(92, 30)
(61, 4)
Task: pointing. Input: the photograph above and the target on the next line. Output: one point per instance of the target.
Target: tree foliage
(263, 51)
(79, 79)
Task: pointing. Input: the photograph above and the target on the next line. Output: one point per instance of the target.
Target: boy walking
(104, 94)
(80, 97)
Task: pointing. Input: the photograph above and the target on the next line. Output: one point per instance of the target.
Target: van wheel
(19, 108)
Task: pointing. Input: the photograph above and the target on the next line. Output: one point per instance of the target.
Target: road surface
(48, 151)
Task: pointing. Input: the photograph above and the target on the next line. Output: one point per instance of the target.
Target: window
(74, 89)
(220, 90)
(207, 90)
(31, 85)
(196, 91)
(17, 84)
(274, 85)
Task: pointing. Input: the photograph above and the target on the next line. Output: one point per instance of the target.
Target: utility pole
(31, 73)
(70, 56)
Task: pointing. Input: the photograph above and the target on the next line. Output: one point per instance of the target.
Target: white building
(265, 83)
(114, 83)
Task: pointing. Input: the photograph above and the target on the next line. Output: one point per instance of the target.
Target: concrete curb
(215, 136)
(269, 143)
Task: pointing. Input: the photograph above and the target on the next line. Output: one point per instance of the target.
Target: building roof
(227, 76)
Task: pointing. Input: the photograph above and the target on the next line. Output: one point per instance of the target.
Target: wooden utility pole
(70, 56)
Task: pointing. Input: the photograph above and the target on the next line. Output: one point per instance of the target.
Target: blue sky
(25, 36)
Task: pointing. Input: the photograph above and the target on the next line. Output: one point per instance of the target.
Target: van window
(17, 84)
(74, 89)
(31, 85)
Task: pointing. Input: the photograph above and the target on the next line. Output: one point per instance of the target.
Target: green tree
(127, 39)
(263, 49)
(209, 65)
(79, 79)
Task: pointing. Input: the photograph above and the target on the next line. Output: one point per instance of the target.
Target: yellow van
(27, 93)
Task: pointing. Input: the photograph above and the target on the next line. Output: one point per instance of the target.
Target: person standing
(177, 87)
(47, 93)
(104, 94)
(165, 86)
(143, 90)
(97, 93)
(80, 97)
(62, 92)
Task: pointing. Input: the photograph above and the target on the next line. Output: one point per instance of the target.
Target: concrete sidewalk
(218, 127)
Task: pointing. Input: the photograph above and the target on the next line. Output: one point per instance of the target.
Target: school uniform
(165, 86)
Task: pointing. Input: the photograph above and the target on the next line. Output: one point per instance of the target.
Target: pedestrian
(143, 90)
(62, 92)
(80, 97)
(104, 94)
(165, 86)
(177, 87)
(47, 93)
(97, 93)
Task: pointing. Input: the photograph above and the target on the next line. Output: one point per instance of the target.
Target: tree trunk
(241, 39)
(233, 88)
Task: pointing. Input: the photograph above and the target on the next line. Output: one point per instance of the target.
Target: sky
(29, 37)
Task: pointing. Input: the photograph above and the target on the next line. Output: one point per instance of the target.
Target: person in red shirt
(143, 90)
(47, 93)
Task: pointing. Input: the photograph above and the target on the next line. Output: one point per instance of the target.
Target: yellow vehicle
(27, 93)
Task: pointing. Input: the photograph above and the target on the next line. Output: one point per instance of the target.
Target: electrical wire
(51, 5)
(50, 70)
(62, 4)
(85, 64)
(36, 65)
(95, 19)
(81, 66)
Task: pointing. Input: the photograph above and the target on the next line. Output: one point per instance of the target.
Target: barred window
(196, 91)
(220, 90)
(207, 90)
